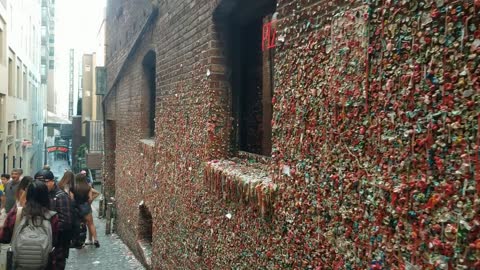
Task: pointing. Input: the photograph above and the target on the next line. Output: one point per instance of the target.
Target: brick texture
(357, 189)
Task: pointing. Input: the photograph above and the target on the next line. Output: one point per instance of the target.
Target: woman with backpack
(32, 230)
(82, 194)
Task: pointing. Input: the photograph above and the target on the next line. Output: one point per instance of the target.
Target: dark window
(150, 93)
(11, 86)
(251, 81)
(145, 225)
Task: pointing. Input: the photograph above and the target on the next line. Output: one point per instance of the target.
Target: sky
(76, 26)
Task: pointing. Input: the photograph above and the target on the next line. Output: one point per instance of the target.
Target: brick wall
(165, 176)
(371, 113)
(369, 173)
(124, 19)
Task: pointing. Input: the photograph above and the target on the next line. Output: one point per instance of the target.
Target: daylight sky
(77, 24)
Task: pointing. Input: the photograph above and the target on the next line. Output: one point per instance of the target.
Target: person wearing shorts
(82, 194)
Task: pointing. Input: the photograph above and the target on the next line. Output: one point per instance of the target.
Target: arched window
(145, 225)
(150, 93)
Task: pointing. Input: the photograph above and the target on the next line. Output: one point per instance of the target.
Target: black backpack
(79, 229)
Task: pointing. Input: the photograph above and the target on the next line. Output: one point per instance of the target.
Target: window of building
(10, 13)
(33, 96)
(25, 84)
(150, 91)
(25, 129)
(19, 129)
(19, 82)
(34, 48)
(11, 155)
(2, 42)
(251, 80)
(11, 128)
(11, 76)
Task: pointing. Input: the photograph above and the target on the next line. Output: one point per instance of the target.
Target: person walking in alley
(5, 178)
(11, 189)
(3, 214)
(61, 203)
(36, 210)
(83, 196)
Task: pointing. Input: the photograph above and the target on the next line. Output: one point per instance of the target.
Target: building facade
(48, 53)
(71, 84)
(21, 97)
(259, 134)
(91, 102)
(92, 116)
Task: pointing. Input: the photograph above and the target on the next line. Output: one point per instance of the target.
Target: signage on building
(26, 143)
(61, 149)
(101, 80)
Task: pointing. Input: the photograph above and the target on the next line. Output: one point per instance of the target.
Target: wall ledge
(242, 181)
(146, 252)
(148, 142)
(147, 148)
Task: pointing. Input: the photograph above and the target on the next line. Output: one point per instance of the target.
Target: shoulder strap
(48, 215)
(18, 217)
(59, 192)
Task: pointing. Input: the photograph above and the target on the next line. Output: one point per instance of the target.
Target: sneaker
(88, 242)
(96, 243)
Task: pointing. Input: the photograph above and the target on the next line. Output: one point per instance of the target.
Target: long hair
(22, 186)
(38, 202)
(67, 180)
(81, 187)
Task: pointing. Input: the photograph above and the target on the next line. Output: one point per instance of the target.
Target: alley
(113, 253)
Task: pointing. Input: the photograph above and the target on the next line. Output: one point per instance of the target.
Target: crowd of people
(41, 219)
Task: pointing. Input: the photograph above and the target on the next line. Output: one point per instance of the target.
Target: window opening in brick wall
(250, 76)
(150, 92)
(145, 225)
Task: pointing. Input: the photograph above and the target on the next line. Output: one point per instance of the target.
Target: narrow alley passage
(112, 254)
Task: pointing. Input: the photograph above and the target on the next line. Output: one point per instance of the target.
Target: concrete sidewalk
(113, 253)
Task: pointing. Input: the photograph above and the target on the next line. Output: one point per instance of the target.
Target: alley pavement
(112, 254)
